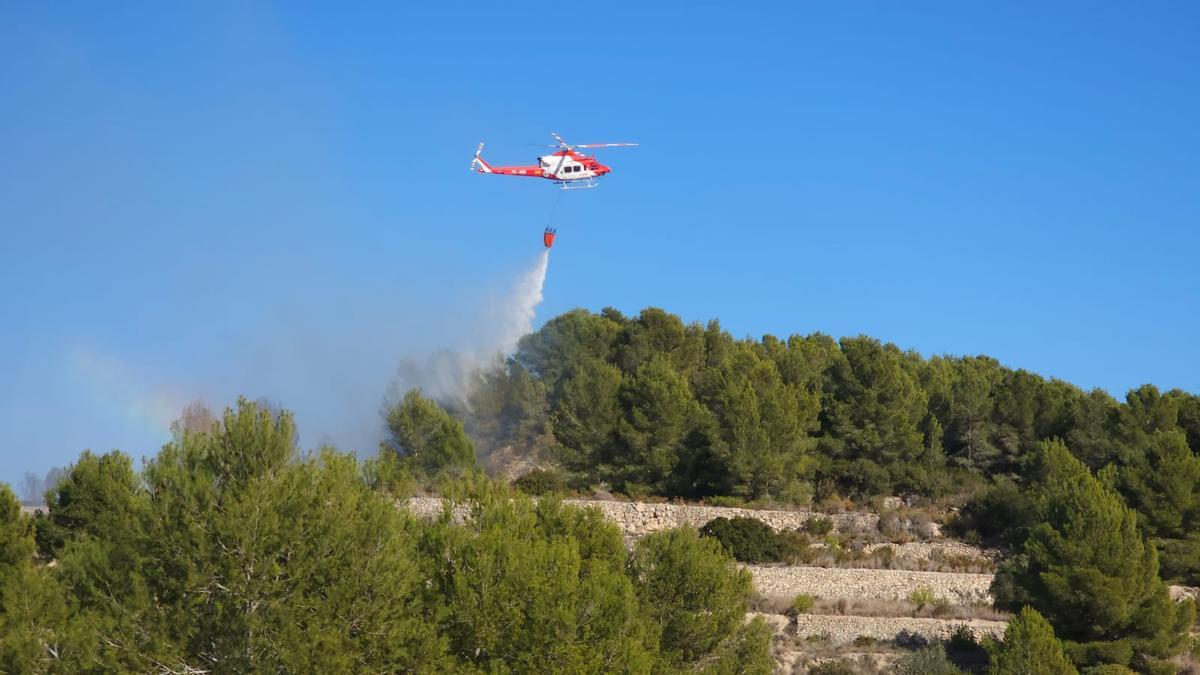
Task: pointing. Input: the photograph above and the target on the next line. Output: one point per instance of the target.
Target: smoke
(448, 375)
(327, 355)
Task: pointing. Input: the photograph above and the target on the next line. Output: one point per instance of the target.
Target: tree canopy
(233, 551)
(651, 405)
(1089, 570)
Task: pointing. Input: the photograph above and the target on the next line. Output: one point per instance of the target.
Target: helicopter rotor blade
(607, 145)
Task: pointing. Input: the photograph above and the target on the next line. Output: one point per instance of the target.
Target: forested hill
(651, 405)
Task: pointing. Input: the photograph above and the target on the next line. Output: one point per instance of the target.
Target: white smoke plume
(446, 375)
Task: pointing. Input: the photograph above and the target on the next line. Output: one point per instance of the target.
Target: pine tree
(1029, 648)
(428, 437)
(1086, 567)
(690, 588)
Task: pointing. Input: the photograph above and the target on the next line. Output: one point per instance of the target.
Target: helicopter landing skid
(578, 184)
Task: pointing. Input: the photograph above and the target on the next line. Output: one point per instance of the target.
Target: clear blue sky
(199, 199)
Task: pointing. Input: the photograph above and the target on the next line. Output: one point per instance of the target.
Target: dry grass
(870, 607)
(853, 659)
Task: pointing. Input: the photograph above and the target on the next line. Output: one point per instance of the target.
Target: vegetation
(427, 438)
(750, 540)
(649, 405)
(541, 482)
(1029, 648)
(818, 526)
(1087, 568)
(233, 552)
(929, 660)
(801, 604)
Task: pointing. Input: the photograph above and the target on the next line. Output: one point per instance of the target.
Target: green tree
(259, 560)
(1188, 406)
(659, 414)
(99, 496)
(536, 588)
(37, 634)
(972, 403)
(586, 418)
(875, 408)
(1087, 568)
(552, 353)
(40, 631)
(16, 535)
(690, 588)
(764, 428)
(1029, 648)
(1158, 478)
(428, 437)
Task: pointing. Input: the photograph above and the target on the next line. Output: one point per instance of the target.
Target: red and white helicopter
(568, 168)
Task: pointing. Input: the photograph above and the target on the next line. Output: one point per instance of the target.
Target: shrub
(940, 606)
(962, 639)
(1001, 514)
(1029, 646)
(726, 501)
(818, 526)
(801, 604)
(864, 641)
(832, 668)
(929, 660)
(908, 640)
(922, 596)
(833, 543)
(922, 525)
(890, 525)
(751, 541)
(540, 482)
(885, 556)
(907, 524)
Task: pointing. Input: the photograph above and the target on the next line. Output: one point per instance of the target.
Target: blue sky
(206, 200)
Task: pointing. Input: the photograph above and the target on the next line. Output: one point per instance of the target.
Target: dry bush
(834, 504)
(905, 525)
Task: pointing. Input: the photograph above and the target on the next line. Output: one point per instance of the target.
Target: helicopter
(566, 167)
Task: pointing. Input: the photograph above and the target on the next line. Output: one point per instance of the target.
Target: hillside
(856, 604)
(651, 406)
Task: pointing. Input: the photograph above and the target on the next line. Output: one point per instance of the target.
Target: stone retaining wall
(959, 589)
(638, 519)
(845, 629)
(830, 582)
